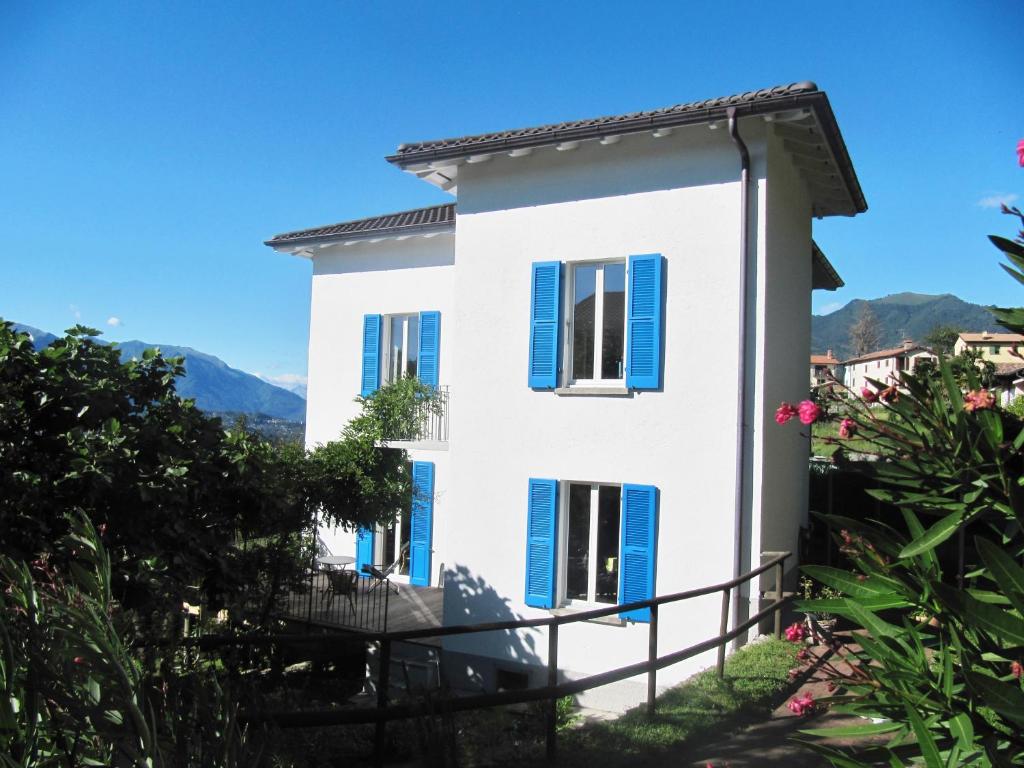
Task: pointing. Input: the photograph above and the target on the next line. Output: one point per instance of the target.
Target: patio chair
(341, 583)
(380, 574)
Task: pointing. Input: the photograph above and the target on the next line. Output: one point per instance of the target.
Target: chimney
(908, 343)
(828, 354)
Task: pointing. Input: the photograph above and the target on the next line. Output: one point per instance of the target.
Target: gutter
(741, 375)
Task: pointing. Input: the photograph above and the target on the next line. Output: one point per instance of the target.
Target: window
(392, 545)
(993, 350)
(590, 542)
(598, 321)
(408, 542)
(401, 347)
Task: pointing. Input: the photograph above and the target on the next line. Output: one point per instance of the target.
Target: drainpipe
(741, 376)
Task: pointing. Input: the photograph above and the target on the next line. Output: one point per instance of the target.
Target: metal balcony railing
(429, 421)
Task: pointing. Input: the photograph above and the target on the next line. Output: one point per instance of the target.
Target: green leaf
(935, 535)
(1004, 571)
(840, 731)
(1005, 698)
(962, 729)
(849, 584)
(988, 618)
(867, 619)
(925, 740)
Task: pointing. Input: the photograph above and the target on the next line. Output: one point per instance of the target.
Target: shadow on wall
(486, 660)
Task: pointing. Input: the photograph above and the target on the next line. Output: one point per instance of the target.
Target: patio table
(332, 561)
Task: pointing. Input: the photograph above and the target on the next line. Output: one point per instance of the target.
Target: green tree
(942, 338)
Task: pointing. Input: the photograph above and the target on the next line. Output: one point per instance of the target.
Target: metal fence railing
(338, 598)
(554, 690)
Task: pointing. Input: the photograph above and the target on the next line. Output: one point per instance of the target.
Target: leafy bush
(939, 668)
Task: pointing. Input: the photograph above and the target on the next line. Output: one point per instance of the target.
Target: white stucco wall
(678, 196)
(387, 277)
(784, 337)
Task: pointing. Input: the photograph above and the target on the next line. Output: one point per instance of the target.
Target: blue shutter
(644, 322)
(639, 548)
(545, 323)
(371, 354)
(541, 543)
(430, 347)
(364, 549)
(421, 524)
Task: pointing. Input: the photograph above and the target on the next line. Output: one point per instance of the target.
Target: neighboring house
(998, 348)
(825, 369)
(1006, 352)
(594, 453)
(884, 365)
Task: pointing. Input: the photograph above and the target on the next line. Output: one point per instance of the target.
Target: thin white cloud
(75, 311)
(828, 309)
(997, 200)
(114, 322)
(293, 382)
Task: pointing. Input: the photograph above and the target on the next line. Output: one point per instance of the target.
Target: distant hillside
(214, 385)
(901, 315)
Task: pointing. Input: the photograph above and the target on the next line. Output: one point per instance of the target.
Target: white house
(591, 276)
(883, 365)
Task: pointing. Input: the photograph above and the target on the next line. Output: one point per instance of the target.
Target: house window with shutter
(591, 544)
(597, 324)
(396, 346)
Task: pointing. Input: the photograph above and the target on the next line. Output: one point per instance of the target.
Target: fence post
(552, 746)
(723, 627)
(778, 598)
(383, 681)
(652, 657)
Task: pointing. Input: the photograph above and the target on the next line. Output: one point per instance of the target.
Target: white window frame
(563, 543)
(385, 358)
(570, 304)
(384, 559)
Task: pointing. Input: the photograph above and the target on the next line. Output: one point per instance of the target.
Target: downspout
(741, 374)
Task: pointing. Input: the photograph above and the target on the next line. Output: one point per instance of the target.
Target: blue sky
(147, 149)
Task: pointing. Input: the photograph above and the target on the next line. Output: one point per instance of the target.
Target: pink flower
(1020, 152)
(809, 412)
(801, 705)
(890, 394)
(869, 395)
(979, 400)
(784, 413)
(79, 660)
(802, 654)
(847, 428)
(796, 632)
(1016, 669)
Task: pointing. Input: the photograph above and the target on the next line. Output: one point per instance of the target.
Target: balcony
(426, 426)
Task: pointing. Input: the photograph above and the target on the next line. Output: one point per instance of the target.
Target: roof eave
(377, 234)
(817, 101)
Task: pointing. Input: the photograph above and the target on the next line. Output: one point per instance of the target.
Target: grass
(755, 677)
(825, 438)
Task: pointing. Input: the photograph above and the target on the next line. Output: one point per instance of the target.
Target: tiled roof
(823, 274)
(1009, 369)
(436, 217)
(883, 353)
(803, 95)
(997, 338)
(823, 360)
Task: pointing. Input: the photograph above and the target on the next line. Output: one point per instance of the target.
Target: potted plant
(811, 590)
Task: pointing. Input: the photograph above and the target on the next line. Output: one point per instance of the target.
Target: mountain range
(213, 384)
(900, 316)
